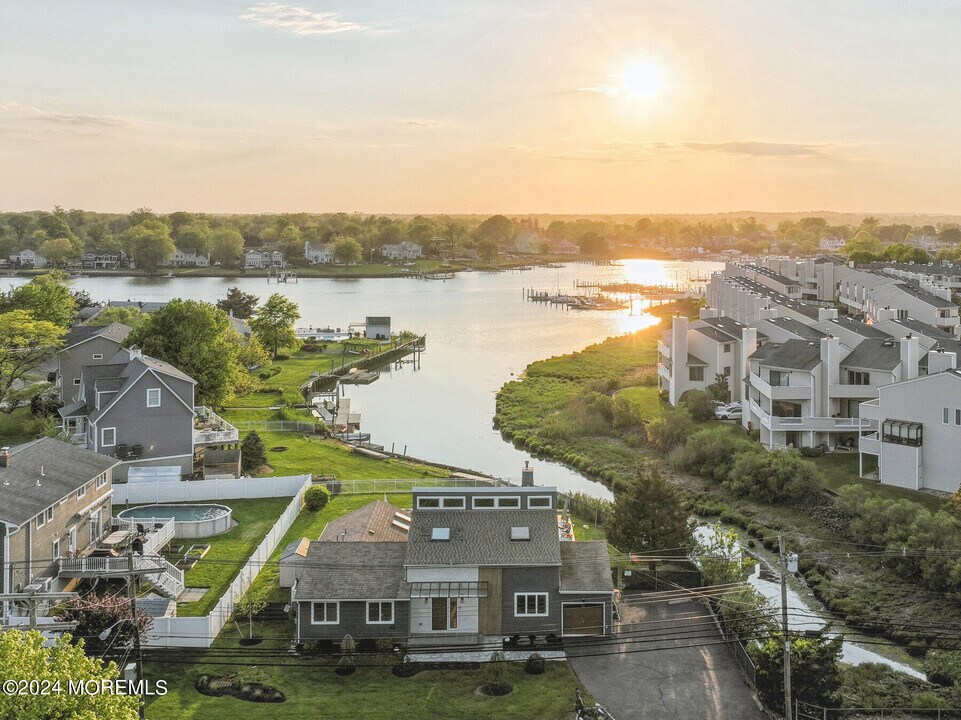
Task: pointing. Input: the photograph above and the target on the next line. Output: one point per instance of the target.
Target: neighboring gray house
(478, 563)
(86, 345)
(141, 410)
(919, 429)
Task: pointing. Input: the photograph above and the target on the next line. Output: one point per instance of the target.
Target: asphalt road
(663, 670)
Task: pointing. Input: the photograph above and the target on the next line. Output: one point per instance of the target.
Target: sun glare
(642, 79)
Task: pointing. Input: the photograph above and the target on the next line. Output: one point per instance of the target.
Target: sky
(481, 106)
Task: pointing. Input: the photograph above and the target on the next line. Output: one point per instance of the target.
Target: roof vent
(520, 533)
(440, 533)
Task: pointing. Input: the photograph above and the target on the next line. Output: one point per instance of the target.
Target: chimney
(829, 373)
(707, 312)
(527, 475)
(678, 359)
(4, 457)
(135, 353)
(909, 357)
(827, 313)
(939, 360)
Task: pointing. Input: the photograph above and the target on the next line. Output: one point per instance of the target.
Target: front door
(443, 614)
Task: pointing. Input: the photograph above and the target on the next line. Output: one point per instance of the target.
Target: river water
(481, 333)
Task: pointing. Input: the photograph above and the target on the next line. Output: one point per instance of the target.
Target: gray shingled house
(477, 563)
(86, 345)
(141, 410)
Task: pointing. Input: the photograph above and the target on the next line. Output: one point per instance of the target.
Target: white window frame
(452, 502)
(40, 520)
(101, 480)
(527, 599)
(325, 621)
(97, 356)
(380, 604)
(103, 437)
(532, 498)
(76, 381)
(498, 502)
(156, 402)
(81, 491)
(945, 416)
(56, 548)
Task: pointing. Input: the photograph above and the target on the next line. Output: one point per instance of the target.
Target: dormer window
(440, 533)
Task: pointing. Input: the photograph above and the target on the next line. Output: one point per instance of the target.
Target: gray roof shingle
(586, 567)
(874, 354)
(374, 522)
(482, 537)
(793, 354)
(81, 333)
(66, 467)
(352, 571)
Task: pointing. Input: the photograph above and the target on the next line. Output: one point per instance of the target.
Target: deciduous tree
(347, 251)
(196, 338)
(26, 656)
(149, 244)
(25, 344)
(47, 297)
(274, 324)
(226, 246)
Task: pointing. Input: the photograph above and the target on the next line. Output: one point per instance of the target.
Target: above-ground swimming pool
(190, 521)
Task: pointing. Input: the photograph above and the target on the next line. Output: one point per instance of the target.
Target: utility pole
(132, 594)
(786, 563)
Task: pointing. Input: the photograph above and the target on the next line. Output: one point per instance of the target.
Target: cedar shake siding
(352, 620)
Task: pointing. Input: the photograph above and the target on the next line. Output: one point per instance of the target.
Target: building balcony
(812, 423)
(664, 371)
(780, 392)
(663, 349)
(211, 429)
(870, 444)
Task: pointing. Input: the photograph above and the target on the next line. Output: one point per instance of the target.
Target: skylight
(440, 533)
(520, 533)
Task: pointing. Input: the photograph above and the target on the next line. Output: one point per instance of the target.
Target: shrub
(943, 667)
(774, 477)
(316, 498)
(670, 429)
(385, 645)
(711, 453)
(534, 665)
(700, 404)
(253, 454)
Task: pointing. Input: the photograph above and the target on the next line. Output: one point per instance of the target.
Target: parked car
(729, 412)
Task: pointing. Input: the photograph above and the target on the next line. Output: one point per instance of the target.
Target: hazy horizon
(543, 107)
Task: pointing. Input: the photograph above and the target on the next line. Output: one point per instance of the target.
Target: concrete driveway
(664, 670)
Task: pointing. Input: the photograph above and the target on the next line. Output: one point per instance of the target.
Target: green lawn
(841, 468)
(645, 398)
(229, 551)
(310, 525)
(371, 693)
(313, 454)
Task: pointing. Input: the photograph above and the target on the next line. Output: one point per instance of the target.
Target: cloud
(421, 123)
(298, 20)
(78, 121)
(29, 122)
(759, 148)
(601, 89)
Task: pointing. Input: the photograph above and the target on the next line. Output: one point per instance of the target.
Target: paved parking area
(659, 667)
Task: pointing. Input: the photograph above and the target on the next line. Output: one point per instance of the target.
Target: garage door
(583, 619)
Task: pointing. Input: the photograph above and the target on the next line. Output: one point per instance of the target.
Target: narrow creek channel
(804, 611)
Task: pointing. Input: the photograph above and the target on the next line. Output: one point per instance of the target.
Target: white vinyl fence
(200, 632)
(193, 490)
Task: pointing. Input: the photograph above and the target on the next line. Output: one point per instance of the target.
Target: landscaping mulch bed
(219, 686)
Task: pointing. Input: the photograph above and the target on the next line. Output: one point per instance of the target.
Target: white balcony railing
(158, 531)
(213, 428)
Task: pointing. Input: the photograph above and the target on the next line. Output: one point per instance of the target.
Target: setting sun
(642, 79)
